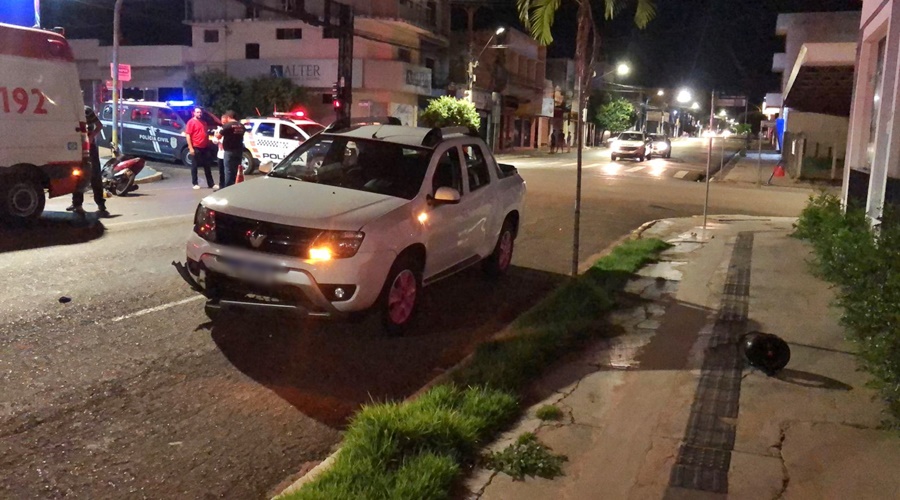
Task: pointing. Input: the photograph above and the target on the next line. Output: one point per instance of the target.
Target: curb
(158, 176)
(326, 464)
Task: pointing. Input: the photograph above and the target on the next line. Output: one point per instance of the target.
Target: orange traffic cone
(779, 171)
(240, 174)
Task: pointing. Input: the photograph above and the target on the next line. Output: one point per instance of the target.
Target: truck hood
(629, 144)
(302, 204)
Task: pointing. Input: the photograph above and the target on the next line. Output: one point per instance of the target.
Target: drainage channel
(705, 455)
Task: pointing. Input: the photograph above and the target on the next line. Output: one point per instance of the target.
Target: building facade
(873, 141)
(399, 53)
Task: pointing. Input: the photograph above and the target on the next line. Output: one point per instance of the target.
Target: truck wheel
(612, 157)
(497, 264)
(400, 295)
(187, 159)
(23, 198)
(248, 162)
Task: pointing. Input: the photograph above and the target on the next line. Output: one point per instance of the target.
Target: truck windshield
(631, 137)
(360, 164)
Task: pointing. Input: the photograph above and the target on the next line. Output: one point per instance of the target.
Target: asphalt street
(115, 383)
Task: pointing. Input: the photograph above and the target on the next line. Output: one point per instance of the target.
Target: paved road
(127, 389)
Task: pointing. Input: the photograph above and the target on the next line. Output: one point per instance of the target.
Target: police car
(271, 139)
(153, 129)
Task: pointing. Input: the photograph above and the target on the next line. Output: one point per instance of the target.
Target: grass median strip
(416, 449)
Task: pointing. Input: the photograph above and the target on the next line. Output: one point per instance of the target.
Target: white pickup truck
(357, 218)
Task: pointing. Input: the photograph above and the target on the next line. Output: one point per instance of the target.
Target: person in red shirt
(198, 144)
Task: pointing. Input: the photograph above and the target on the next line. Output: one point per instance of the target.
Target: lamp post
(622, 69)
(473, 63)
(117, 10)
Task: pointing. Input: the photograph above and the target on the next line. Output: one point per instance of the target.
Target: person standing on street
(93, 128)
(198, 145)
(232, 137)
(553, 142)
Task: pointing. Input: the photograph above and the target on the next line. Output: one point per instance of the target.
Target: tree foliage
(538, 15)
(219, 92)
(447, 111)
(214, 90)
(615, 115)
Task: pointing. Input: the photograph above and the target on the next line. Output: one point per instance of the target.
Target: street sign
(731, 101)
(124, 72)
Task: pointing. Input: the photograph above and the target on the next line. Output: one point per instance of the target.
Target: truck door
(447, 223)
(138, 136)
(478, 204)
(289, 137)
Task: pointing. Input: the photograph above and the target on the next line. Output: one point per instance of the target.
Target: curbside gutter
(326, 464)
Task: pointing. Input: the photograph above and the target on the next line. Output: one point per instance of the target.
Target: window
(404, 55)
(476, 167)
(289, 5)
(266, 129)
(877, 78)
(210, 36)
(290, 133)
(141, 115)
(289, 33)
(252, 12)
(106, 114)
(167, 118)
(251, 51)
(447, 173)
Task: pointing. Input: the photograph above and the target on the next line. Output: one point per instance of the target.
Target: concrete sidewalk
(757, 167)
(668, 409)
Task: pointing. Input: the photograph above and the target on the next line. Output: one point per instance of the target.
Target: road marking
(157, 308)
(114, 225)
(634, 169)
(681, 174)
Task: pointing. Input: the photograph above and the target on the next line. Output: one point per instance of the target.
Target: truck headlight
(662, 146)
(205, 223)
(335, 245)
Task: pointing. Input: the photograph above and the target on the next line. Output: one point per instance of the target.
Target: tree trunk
(585, 23)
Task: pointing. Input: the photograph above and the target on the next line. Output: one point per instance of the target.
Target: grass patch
(549, 412)
(416, 449)
(526, 457)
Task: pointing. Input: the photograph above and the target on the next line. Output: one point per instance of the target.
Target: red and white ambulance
(43, 141)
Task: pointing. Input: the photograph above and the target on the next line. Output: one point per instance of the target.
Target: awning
(821, 80)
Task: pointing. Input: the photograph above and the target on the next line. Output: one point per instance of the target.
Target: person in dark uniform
(93, 128)
(232, 137)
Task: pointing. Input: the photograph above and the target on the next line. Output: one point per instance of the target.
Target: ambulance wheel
(23, 198)
(248, 162)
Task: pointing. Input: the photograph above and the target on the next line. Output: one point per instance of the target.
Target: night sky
(702, 44)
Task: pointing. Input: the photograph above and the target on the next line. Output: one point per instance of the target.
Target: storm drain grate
(704, 458)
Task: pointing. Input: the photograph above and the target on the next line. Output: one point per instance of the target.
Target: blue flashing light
(177, 104)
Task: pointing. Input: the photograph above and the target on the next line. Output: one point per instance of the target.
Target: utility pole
(343, 31)
(712, 108)
(117, 11)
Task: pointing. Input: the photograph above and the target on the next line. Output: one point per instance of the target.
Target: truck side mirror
(446, 195)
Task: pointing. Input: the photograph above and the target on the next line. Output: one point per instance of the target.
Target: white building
(399, 53)
(873, 142)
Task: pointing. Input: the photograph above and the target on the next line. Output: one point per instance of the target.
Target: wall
(813, 27)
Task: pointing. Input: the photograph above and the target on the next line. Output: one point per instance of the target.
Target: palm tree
(538, 17)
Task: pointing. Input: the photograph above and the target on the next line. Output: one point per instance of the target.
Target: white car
(632, 144)
(388, 210)
(270, 140)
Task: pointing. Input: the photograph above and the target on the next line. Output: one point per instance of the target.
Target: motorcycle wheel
(122, 184)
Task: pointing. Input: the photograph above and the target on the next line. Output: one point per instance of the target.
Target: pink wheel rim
(402, 297)
(506, 246)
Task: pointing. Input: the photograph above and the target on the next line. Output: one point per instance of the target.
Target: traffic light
(335, 96)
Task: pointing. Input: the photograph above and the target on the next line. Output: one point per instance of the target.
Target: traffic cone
(779, 171)
(240, 174)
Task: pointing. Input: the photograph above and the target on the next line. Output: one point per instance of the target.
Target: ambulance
(43, 140)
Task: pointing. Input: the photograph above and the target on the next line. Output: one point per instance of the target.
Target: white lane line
(157, 308)
(634, 169)
(681, 174)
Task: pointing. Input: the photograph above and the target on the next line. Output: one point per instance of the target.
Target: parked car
(271, 139)
(153, 129)
(660, 145)
(389, 210)
(43, 144)
(633, 144)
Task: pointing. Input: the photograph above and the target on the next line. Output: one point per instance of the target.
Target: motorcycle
(118, 174)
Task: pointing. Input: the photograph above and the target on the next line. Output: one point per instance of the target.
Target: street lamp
(684, 96)
(660, 92)
(695, 106)
(473, 63)
(623, 69)
(723, 113)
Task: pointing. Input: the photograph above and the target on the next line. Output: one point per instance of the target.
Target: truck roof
(408, 136)
(33, 43)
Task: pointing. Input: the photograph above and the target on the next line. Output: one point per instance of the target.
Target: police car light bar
(179, 103)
